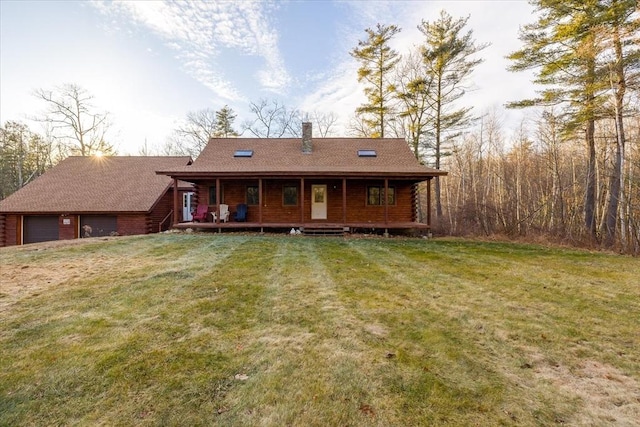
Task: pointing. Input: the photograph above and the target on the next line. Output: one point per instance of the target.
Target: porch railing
(166, 218)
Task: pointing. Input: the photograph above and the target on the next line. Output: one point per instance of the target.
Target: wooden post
(217, 201)
(386, 200)
(20, 230)
(301, 200)
(260, 201)
(176, 201)
(429, 202)
(344, 201)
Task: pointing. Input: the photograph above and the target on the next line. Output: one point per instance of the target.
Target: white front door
(186, 206)
(318, 202)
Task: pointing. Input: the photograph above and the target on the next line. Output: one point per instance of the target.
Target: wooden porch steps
(324, 230)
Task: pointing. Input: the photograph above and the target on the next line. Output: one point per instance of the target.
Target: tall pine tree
(448, 57)
(562, 46)
(584, 51)
(619, 25)
(377, 62)
(414, 93)
(224, 123)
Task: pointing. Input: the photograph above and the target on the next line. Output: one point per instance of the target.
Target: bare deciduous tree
(322, 122)
(358, 127)
(273, 120)
(193, 135)
(74, 121)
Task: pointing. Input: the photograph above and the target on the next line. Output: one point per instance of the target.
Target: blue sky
(150, 62)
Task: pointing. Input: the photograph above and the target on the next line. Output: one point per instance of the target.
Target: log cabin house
(93, 196)
(317, 186)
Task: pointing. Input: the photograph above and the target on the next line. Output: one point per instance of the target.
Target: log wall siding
(129, 224)
(273, 208)
(11, 230)
(162, 209)
(359, 211)
(68, 231)
(274, 211)
(3, 219)
(235, 193)
(417, 209)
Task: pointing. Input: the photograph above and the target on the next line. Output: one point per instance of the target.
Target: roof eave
(305, 174)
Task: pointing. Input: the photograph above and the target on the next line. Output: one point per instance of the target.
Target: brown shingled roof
(330, 156)
(96, 184)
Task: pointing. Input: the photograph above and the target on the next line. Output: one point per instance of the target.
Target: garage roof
(96, 185)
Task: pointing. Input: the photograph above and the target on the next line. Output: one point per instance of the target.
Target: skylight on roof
(367, 153)
(243, 153)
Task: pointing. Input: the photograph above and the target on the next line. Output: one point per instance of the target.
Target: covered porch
(307, 228)
(312, 203)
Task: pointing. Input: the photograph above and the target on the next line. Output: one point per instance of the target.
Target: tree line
(572, 173)
(586, 59)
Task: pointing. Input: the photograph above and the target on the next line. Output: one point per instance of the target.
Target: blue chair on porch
(241, 213)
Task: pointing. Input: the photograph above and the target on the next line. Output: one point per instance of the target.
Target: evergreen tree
(567, 46)
(224, 123)
(414, 92)
(24, 156)
(447, 53)
(377, 62)
(619, 25)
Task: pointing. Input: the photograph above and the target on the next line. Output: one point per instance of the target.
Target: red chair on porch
(201, 213)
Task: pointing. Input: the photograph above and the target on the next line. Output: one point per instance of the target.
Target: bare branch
(72, 120)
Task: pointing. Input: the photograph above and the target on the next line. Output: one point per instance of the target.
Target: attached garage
(40, 228)
(98, 225)
(93, 196)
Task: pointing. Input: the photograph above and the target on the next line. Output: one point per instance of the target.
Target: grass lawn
(207, 329)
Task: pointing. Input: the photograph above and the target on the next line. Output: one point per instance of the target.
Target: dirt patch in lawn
(20, 280)
(610, 397)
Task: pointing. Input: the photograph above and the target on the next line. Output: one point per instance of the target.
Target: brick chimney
(307, 146)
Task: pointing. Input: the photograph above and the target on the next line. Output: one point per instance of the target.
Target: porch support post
(344, 201)
(429, 202)
(386, 200)
(301, 200)
(217, 201)
(260, 201)
(175, 200)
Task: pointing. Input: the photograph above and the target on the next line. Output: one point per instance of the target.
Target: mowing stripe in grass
(297, 334)
(208, 329)
(127, 322)
(507, 303)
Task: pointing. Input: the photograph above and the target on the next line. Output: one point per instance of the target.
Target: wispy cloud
(198, 31)
(341, 93)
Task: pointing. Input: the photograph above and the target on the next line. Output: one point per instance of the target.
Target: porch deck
(347, 227)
